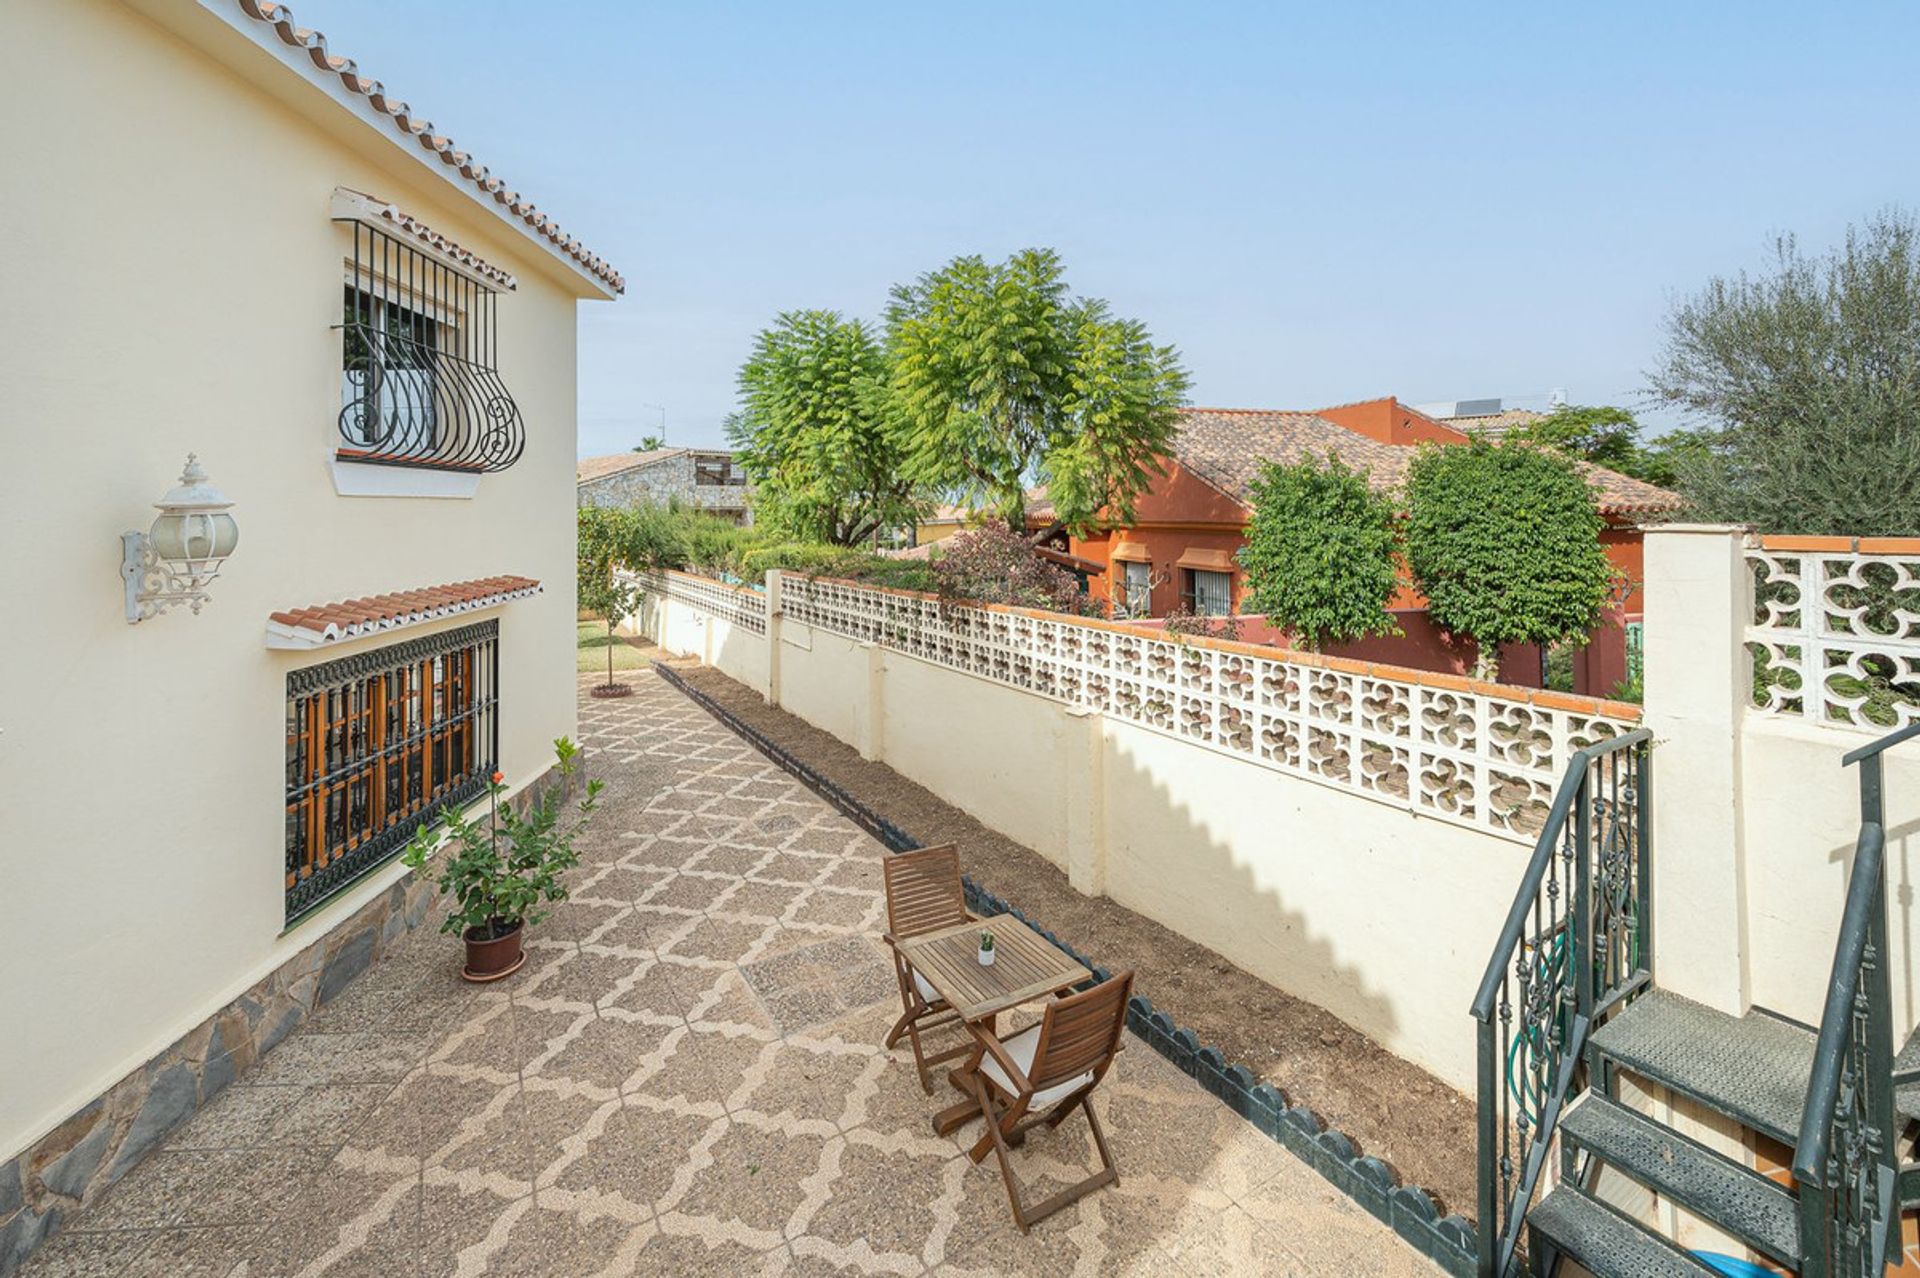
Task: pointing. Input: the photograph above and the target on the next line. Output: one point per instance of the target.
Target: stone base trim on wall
(65, 1170)
(1410, 1211)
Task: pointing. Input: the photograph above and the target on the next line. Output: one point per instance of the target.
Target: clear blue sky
(1318, 205)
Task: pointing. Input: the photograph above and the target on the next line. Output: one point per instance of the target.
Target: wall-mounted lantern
(174, 561)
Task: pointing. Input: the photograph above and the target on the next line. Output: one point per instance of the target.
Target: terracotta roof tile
(1228, 446)
(318, 625)
(1495, 425)
(414, 129)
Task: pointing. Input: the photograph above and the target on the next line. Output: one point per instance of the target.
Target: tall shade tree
(1809, 378)
(1604, 435)
(1504, 541)
(1001, 379)
(1322, 552)
(814, 435)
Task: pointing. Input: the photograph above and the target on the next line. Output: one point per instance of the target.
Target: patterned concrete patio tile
(461, 1229)
(840, 910)
(240, 1117)
(757, 1178)
(705, 1066)
(761, 900)
(983, 1236)
(552, 1242)
(890, 1202)
(623, 882)
(169, 1188)
(500, 1038)
(687, 1253)
(723, 999)
(811, 1087)
(587, 975)
(724, 940)
(518, 1140)
(789, 866)
(638, 1154)
(365, 1056)
(90, 1255)
(603, 1054)
(367, 1224)
(690, 891)
(423, 1113)
(325, 1116)
(633, 929)
(579, 920)
(653, 987)
(216, 1252)
(1227, 1242)
(859, 873)
(267, 1184)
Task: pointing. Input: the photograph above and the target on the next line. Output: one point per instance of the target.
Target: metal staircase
(1569, 1006)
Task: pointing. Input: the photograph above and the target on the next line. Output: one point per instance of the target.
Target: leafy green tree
(648, 443)
(815, 435)
(1504, 541)
(1603, 435)
(1001, 378)
(1321, 552)
(1809, 376)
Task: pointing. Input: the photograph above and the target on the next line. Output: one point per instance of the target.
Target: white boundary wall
(1360, 902)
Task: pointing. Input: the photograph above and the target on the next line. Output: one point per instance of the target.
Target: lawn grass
(592, 650)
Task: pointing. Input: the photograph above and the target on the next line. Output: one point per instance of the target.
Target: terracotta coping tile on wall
(319, 624)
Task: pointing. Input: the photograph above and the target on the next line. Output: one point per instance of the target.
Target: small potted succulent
(986, 949)
(497, 874)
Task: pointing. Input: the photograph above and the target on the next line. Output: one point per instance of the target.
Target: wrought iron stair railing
(1575, 947)
(1846, 1159)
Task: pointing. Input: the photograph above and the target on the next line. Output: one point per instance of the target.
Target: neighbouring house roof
(318, 625)
(1039, 511)
(411, 128)
(588, 469)
(1495, 425)
(1228, 446)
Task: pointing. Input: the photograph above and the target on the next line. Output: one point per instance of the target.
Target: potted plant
(986, 949)
(497, 874)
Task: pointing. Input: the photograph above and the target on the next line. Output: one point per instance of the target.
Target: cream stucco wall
(171, 276)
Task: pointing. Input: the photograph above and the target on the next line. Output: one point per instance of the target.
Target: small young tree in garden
(814, 433)
(1321, 552)
(600, 537)
(1808, 377)
(1000, 378)
(1504, 541)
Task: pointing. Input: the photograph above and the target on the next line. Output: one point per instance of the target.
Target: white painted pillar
(774, 619)
(1084, 756)
(1698, 684)
(869, 723)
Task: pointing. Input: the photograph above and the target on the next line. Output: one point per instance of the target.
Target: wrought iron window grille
(379, 743)
(420, 384)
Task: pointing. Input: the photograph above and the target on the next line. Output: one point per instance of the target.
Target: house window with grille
(419, 381)
(379, 742)
(1136, 588)
(1208, 594)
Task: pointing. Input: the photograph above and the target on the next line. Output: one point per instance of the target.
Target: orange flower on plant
(498, 777)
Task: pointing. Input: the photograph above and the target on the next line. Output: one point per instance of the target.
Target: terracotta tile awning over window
(1132, 552)
(319, 625)
(1207, 560)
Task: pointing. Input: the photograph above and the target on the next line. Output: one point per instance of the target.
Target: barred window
(419, 380)
(378, 742)
(1208, 594)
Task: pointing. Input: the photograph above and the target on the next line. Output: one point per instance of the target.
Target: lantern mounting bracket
(152, 586)
(173, 562)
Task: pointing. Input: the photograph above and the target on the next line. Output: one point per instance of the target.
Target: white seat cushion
(927, 992)
(1021, 1047)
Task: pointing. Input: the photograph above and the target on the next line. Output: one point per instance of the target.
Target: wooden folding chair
(923, 893)
(1042, 1074)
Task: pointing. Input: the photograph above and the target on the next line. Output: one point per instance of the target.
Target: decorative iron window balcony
(419, 385)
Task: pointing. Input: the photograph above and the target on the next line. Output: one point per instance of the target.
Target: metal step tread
(1752, 1068)
(1607, 1243)
(1743, 1202)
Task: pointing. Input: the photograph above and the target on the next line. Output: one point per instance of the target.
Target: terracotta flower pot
(491, 956)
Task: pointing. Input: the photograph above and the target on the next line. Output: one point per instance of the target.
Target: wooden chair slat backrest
(1081, 1032)
(924, 891)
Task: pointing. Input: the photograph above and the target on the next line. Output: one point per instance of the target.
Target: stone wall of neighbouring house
(69, 1166)
(658, 482)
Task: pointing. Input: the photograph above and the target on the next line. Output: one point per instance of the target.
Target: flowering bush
(492, 890)
(991, 564)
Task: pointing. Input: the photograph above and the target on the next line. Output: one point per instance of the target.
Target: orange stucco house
(1179, 550)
